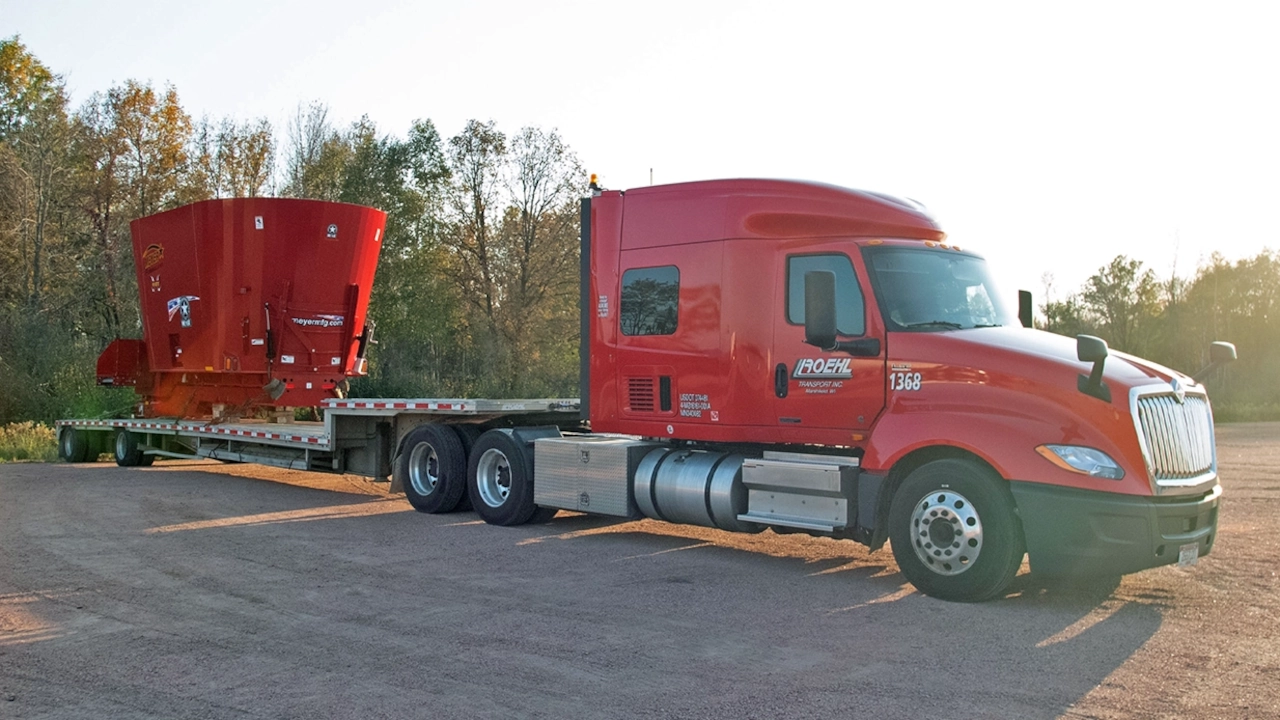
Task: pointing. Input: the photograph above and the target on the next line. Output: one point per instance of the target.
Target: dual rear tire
(432, 468)
(128, 451)
(80, 446)
(444, 468)
(73, 445)
(501, 480)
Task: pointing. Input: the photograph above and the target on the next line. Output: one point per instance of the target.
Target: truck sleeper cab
(924, 414)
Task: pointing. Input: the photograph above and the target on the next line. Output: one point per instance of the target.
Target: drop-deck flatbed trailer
(355, 437)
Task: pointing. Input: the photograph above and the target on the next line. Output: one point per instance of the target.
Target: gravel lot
(201, 590)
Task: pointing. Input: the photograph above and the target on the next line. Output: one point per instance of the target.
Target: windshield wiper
(933, 323)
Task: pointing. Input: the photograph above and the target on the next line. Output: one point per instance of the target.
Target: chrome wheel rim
(946, 532)
(424, 469)
(493, 478)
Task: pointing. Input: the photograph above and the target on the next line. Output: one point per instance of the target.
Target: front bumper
(1083, 532)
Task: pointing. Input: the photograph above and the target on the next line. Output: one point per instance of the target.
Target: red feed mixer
(248, 302)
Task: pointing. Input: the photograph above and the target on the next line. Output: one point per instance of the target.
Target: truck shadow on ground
(857, 626)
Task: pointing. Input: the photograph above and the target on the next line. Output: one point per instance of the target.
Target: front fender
(1003, 427)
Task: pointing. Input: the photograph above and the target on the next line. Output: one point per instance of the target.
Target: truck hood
(1022, 386)
(1035, 354)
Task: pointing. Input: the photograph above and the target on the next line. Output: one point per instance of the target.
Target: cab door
(814, 388)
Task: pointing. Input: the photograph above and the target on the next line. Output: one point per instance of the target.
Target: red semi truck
(762, 354)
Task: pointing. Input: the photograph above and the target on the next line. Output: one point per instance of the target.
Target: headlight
(1083, 460)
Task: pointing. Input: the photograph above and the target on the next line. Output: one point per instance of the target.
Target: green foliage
(47, 372)
(1122, 296)
(28, 441)
(1174, 322)
(230, 160)
(511, 236)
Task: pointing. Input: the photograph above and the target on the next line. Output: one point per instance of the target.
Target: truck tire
(955, 531)
(432, 468)
(73, 446)
(468, 434)
(500, 479)
(128, 452)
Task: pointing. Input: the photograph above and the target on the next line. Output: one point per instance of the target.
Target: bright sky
(1048, 136)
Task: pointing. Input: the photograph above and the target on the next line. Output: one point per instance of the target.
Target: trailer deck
(357, 436)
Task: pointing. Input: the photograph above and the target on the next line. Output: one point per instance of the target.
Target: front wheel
(955, 531)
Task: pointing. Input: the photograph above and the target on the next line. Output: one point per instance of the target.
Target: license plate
(1188, 554)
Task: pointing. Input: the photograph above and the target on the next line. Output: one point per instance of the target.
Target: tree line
(1172, 321)
(476, 289)
(476, 292)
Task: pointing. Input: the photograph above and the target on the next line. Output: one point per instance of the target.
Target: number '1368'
(904, 381)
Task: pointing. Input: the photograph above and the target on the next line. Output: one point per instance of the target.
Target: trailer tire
(500, 479)
(955, 531)
(432, 469)
(73, 445)
(128, 452)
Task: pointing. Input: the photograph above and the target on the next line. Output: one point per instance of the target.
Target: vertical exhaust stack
(248, 302)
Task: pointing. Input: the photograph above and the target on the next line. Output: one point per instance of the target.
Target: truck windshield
(930, 290)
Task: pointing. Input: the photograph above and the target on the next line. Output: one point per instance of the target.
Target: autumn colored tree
(512, 237)
(34, 166)
(45, 359)
(229, 159)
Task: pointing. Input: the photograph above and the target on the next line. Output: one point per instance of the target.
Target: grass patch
(28, 441)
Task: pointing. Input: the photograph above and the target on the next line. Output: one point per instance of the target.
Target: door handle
(780, 380)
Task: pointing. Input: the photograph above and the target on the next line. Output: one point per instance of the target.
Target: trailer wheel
(955, 531)
(73, 446)
(128, 452)
(500, 475)
(432, 469)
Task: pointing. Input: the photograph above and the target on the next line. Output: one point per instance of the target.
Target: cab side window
(850, 310)
(650, 301)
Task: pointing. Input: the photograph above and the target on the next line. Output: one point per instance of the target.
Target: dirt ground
(200, 590)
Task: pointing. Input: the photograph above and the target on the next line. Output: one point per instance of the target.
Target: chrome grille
(1177, 437)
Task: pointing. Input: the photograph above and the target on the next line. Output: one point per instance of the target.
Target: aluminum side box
(588, 473)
